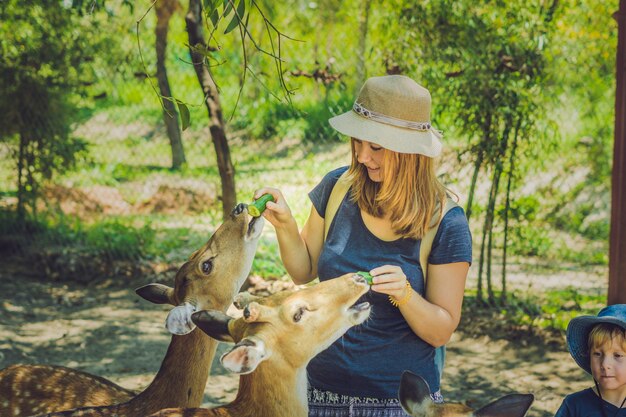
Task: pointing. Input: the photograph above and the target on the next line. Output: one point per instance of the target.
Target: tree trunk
(164, 10)
(507, 206)
(21, 189)
(470, 197)
(493, 198)
(361, 72)
(214, 108)
(617, 235)
(477, 165)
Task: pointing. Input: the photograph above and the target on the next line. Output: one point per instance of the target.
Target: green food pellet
(367, 276)
(255, 209)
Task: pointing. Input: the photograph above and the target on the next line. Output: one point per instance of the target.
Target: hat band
(378, 117)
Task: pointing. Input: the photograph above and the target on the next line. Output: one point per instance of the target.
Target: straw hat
(392, 111)
(579, 328)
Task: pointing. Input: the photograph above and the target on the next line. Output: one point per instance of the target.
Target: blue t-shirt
(369, 359)
(586, 403)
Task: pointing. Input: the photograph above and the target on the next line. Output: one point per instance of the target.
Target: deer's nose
(239, 208)
(359, 278)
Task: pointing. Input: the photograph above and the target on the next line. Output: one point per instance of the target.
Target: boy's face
(608, 365)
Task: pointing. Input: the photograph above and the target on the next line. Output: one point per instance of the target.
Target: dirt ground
(105, 329)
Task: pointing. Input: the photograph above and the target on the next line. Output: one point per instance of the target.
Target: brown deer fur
(276, 339)
(209, 279)
(415, 399)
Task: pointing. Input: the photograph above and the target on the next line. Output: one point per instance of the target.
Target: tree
(487, 63)
(200, 49)
(164, 10)
(46, 50)
(198, 43)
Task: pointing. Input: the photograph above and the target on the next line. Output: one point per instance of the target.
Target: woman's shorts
(330, 404)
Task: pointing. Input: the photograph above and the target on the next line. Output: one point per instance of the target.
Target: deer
(275, 339)
(414, 396)
(210, 279)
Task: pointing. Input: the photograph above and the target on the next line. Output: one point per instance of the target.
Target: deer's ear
(245, 356)
(512, 405)
(214, 323)
(414, 394)
(157, 294)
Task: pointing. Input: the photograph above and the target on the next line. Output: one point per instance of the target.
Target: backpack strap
(429, 237)
(339, 192)
(334, 201)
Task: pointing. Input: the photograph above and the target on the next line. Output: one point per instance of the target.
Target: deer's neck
(271, 391)
(182, 377)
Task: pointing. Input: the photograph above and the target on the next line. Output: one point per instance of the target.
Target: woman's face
(371, 156)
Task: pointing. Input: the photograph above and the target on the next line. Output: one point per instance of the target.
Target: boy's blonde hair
(410, 192)
(604, 333)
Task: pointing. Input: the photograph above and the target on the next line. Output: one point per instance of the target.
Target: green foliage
(524, 209)
(530, 240)
(487, 63)
(45, 49)
(476, 58)
(117, 240)
(173, 244)
(302, 119)
(588, 255)
(267, 262)
(111, 238)
(587, 40)
(548, 310)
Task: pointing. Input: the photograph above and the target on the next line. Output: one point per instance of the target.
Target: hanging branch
(240, 20)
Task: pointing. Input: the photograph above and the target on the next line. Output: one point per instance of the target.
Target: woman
(393, 198)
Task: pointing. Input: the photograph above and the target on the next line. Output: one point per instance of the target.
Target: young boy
(598, 345)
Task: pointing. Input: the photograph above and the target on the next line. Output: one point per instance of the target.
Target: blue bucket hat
(579, 328)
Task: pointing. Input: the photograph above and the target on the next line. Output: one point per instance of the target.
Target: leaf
(215, 17)
(241, 8)
(185, 117)
(228, 7)
(232, 25)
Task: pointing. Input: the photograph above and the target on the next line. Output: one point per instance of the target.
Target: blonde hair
(605, 333)
(410, 192)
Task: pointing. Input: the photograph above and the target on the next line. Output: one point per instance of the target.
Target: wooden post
(617, 242)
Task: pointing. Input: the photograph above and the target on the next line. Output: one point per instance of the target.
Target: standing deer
(276, 338)
(415, 399)
(208, 280)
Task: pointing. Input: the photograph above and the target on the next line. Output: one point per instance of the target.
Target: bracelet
(404, 299)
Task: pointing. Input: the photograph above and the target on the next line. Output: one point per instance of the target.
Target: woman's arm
(435, 317)
(298, 251)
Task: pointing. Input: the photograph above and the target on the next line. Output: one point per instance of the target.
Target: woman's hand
(278, 212)
(298, 251)
(390, 280)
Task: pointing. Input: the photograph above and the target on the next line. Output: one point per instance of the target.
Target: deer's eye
(207, 266)
(298, 315)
